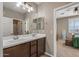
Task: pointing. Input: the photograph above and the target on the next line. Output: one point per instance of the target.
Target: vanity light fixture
(18, 4)
(76, 9)
(31, 8)
(25, 6)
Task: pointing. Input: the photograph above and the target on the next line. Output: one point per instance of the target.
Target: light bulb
(28, 10)
(31, 8)
(27, 6)
(18, 4)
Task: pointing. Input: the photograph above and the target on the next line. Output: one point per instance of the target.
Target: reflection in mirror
(21, 21)
(17, 27)
(39, 23)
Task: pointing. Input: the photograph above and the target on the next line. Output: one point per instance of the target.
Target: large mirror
(20, 20)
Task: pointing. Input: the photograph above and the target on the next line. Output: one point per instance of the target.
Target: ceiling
(12, 6)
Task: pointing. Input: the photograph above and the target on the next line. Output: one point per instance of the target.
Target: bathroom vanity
(26, 46)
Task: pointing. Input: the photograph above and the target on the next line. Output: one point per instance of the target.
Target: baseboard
(49, 54)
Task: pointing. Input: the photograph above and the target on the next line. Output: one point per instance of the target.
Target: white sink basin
(22, 39)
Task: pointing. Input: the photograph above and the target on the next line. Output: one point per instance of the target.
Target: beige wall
(46, 10)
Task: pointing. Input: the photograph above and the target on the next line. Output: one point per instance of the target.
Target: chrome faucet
(33, 34)
(15, 37)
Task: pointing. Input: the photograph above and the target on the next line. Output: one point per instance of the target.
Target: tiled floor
(66, 51)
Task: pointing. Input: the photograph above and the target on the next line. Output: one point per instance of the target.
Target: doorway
(17, 27)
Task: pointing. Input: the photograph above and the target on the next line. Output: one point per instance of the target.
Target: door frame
(55, 25)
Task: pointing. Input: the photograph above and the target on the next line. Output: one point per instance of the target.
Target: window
(74, 25)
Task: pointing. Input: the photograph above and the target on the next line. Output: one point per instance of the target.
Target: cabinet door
(21, 50)
(41, 46)
(33, 48)
(9, 52)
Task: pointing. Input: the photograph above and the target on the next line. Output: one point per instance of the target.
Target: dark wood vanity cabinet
(30, 49)
(21, 50)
